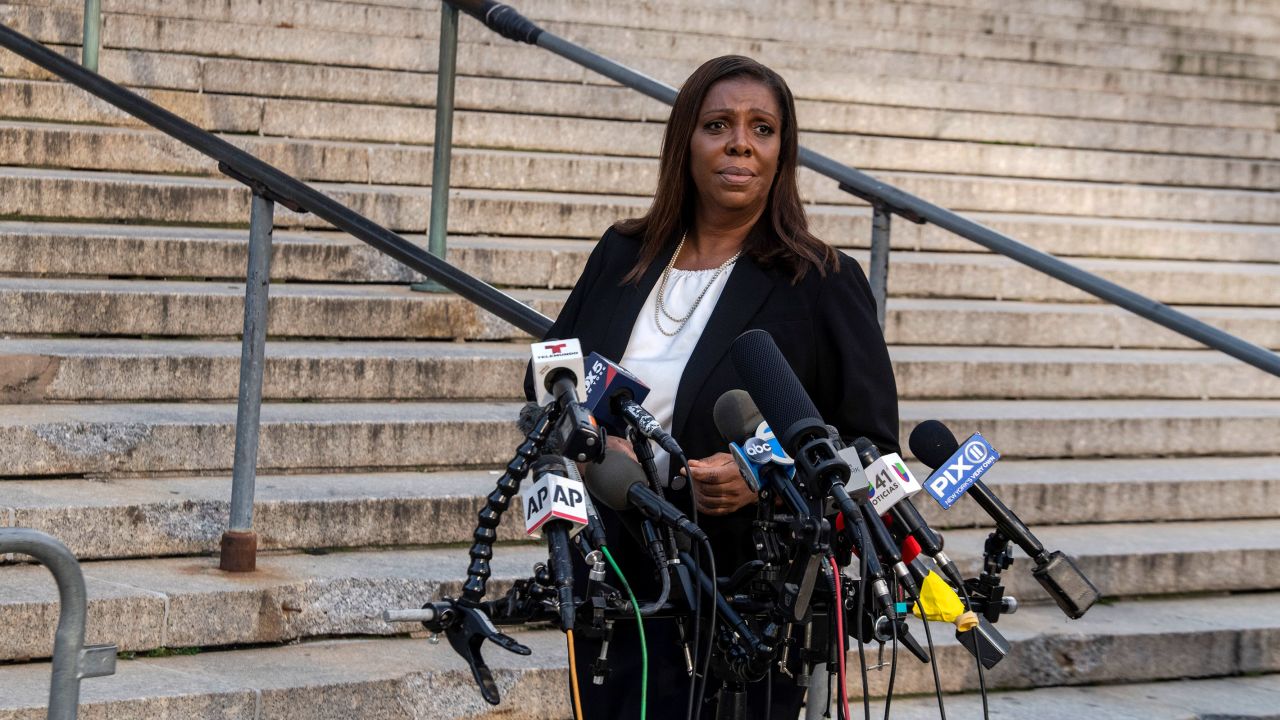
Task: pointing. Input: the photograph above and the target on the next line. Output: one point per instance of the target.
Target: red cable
(844, 690)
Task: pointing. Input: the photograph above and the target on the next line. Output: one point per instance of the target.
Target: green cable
(644, 649)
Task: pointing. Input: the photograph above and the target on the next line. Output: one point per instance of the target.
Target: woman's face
(733, 155)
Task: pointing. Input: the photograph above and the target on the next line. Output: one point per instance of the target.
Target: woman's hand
(718, 487)
(617, 444)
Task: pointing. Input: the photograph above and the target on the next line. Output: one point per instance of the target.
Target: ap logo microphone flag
(964, 468)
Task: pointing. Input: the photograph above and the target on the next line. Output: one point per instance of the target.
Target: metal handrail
(72, 661)
(887, 199)
(277, 185)
(92, 38)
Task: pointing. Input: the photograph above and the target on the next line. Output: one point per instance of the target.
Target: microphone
(557, 370)
(784, 403)
(902, 510)
(619, 482)
(757, 452)
(556, 506)
(957, 470)
(613, 395)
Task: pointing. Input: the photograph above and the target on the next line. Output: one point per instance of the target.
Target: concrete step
(175, 438)
(1017, 19)
(1103, 94)
(49, 248)
(1244, 698)
(1106, 428)
(69, 195)
(400, 679)
(81, 147)
(1148, 559)
(148, 517)
(112, 251)
(151, 517)
(341, 48)
(236, 78)
(296, 310)
(382, 677)
(38, 370)
(127, 150)
(188, 602)
(300, 310)
(114, 370)
(160, 438)
(414, 20)
(1119, 490)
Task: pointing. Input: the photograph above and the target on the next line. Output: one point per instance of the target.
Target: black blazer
(825, 327)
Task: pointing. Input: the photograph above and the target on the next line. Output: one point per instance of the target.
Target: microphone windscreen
(932, 443)
(609, 480)
(528, 416)
(772, 383)
(736, 416)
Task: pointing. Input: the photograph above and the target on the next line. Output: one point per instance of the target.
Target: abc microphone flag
(554, 497)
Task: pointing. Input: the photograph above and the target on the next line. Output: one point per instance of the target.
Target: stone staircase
(1138, 138)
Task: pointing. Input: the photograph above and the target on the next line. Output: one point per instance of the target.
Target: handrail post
(442, 149)
(240, 542)
(92, 34)
(72, 661)
(878, 273)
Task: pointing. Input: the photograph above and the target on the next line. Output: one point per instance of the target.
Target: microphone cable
(933, 658)
(644, 648)
(697, 601)
(840, 649)
(862, 655)
(893, 661)
(573, 676)
(982, 674)
(711, 634)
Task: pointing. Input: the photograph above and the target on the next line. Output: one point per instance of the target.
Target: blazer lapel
(746, 290)
(630, 299)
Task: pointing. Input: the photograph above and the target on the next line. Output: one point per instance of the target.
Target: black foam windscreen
(528, 416)
(773, 385)
(736, 416)
(609, 480)
(932, 443)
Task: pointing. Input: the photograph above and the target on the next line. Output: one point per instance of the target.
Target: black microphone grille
(773, 385)
(932, 443)
(736, 416)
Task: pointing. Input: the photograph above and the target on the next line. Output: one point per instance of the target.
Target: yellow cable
(573, 677)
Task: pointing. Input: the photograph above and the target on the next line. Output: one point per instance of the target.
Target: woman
(724, 248)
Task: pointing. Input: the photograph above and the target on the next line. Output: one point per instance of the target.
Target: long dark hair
(672, 212)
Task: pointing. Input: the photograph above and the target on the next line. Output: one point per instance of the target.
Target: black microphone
(550, 471)
(790, 412)
(619, 482)
(905, 513)
(934, 444)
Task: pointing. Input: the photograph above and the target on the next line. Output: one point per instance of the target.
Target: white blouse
(659, 360)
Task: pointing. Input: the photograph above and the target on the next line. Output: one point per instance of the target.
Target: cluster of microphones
(827, 510)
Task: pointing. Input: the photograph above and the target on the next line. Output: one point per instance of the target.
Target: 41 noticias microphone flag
(964, 468)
